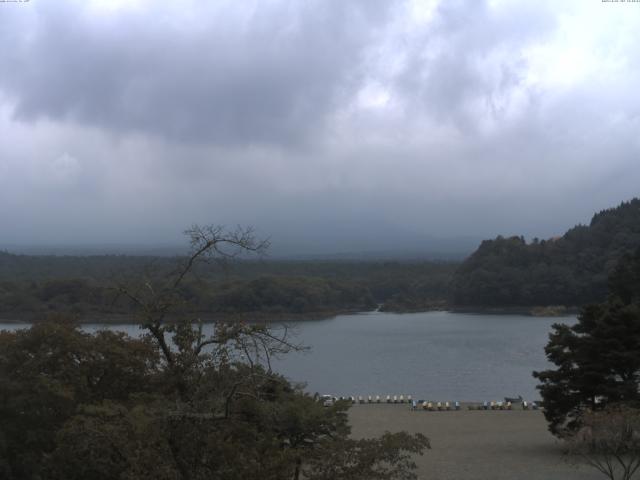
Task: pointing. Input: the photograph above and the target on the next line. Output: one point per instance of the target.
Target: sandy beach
(476, 445)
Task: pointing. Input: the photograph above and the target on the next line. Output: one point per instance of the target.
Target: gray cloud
(322, 123)
(470, 61)
(263, 72)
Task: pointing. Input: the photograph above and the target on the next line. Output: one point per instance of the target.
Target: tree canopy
(598, 358)
(569, 270)
(32, 287)
(175, 403)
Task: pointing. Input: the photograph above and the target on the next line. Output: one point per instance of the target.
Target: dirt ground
(476, 445)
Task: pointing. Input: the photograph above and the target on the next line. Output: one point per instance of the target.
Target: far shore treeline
(507, 273)
(33, 286)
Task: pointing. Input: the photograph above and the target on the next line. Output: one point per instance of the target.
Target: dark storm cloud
(192, 71)
(316, 121)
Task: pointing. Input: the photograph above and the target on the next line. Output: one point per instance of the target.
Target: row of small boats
(379, 399)
(507, 404)
(435, 406)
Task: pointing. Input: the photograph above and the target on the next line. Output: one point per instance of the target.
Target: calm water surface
(434, 355)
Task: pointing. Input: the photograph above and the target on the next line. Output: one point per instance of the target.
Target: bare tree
(157, 301)
(609, 441)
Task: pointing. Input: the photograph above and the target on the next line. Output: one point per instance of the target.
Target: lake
(432, 355)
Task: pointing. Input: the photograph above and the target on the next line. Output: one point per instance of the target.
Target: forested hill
(33, 287)
(570, 270)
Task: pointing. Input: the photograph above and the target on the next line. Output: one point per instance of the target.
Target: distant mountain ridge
(568, 270)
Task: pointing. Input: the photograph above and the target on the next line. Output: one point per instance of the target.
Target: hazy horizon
(427, 248)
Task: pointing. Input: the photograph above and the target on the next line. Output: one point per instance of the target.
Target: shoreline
(262, 317)
(529, 311)
(207, 318)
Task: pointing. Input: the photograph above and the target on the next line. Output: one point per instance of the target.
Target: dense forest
(175, 403)
(33, 286)
(570, 270)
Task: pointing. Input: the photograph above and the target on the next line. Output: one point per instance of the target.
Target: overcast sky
(335, 123)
